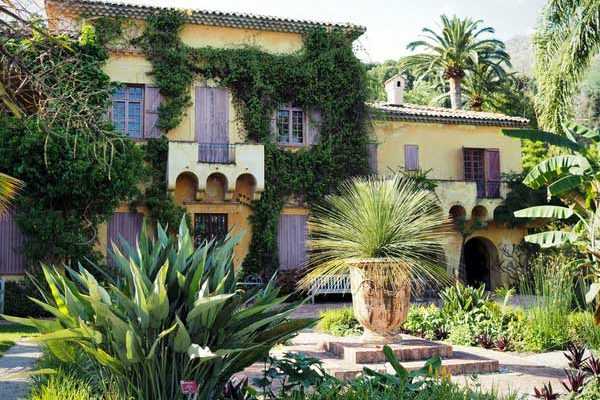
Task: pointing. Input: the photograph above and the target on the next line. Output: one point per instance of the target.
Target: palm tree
(457, 49)
(567, 40)
(482, 85)
(9, 187)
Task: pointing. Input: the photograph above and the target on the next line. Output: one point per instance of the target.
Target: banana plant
(168, 312)
(573, 176)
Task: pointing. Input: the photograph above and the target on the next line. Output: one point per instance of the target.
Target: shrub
(166, 312)
(583, 330)
(427, 321)
(460, 299)
(17, 299)
(462, 335)
(339, 322)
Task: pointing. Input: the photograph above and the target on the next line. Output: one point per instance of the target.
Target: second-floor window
(290, 125)
(411, 157)
(127, 111)
(483, 167)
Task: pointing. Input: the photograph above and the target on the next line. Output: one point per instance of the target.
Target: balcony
(215, 172)
(475, 198)
(216, 153)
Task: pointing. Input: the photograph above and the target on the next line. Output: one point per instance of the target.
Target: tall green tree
(458, 48)
(566, 42)
(482, 84)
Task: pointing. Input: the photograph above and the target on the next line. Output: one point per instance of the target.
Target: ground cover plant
(470, 316)
(167, 312)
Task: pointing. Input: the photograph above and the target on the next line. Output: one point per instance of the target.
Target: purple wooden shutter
(314, 126)
(152, 99)
(372, 154)
(492, 172)
(124, 226)
(12, 261)
(411, 157)
(212, 124)
(291, 241)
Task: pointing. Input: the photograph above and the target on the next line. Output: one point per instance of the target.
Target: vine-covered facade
(247, 121)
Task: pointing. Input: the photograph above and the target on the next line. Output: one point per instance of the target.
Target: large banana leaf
(545, 137)
(565, 185)
(551, 238)
(555, 212)
(548, 171)
(575, 132)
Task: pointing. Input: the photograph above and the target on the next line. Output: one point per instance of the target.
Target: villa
(215, 172)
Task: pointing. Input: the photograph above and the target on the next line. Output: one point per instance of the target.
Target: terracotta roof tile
(206, 17)
(418, 113)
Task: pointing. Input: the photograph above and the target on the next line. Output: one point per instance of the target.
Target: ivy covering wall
(73, 181)
(324, 75)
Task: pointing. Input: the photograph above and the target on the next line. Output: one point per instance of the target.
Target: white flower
(197, 351)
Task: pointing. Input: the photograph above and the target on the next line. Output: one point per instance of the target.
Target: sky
(391, 25)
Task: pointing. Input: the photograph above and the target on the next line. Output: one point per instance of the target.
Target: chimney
(394, 89)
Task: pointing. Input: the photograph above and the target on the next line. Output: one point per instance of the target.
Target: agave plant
(387, 218)
(168, 312)
(573, 176)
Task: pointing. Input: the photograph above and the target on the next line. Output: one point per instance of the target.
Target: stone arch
(186, 187)
(479, 213)
(245, 186)
(481, 262)
(501, 213)
(457, 212)
(216, 187)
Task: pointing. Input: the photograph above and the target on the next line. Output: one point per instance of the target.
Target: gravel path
(19, 358)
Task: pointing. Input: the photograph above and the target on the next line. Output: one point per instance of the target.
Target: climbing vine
(325, 75)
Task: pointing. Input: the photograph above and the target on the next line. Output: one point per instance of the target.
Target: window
(209, 227)
(127, 112)
(411, 157)
(483, 167)
(290, 125)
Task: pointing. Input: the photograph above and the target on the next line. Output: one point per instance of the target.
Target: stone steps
(346, 358)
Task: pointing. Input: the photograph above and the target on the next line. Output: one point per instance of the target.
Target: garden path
(518, 373)
(20, 358)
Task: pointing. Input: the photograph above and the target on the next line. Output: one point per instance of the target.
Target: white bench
(330, 284)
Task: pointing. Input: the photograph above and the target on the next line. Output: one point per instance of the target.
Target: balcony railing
(489, 189)
(216, 153)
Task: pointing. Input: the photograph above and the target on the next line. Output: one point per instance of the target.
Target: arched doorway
(481, 258)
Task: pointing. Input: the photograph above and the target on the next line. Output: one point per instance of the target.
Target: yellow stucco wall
(440, 146)
(133, 67)
(440, 150)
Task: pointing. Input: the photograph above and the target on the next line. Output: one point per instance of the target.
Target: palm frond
(9, 187)
(566, 42)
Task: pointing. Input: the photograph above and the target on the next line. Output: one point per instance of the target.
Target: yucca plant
(168, 312)
(387, 234)
(379, 218)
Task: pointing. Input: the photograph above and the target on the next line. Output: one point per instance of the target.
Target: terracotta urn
(381, 308)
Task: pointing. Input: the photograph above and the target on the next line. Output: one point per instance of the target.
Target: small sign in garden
(190, 388)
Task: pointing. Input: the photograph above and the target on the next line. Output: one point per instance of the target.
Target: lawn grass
(10, 333)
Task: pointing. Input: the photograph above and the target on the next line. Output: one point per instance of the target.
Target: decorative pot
(379, 306)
